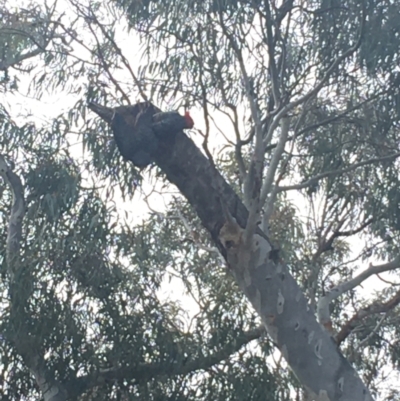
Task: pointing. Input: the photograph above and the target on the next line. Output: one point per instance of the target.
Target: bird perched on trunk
(170, 122)
(138, 128)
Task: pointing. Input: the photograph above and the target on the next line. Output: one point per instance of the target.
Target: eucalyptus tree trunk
(259, 271)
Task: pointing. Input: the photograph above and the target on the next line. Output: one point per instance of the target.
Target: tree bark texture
(264, 278)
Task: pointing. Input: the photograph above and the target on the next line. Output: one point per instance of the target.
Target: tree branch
(14, 234)
(312, 93)
(374, 308)
(269, 178)
(146, 372)
(259, 271)
(336, 292)
(316, 178)
(327, 120)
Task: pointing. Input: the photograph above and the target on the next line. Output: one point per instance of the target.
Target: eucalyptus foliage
(93, 280)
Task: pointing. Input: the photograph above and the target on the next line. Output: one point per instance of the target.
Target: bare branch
(374, 308)
(246, 79)
(252, 183)
(253, 178)
(239, 143)
(269, 178)
(336, 292)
